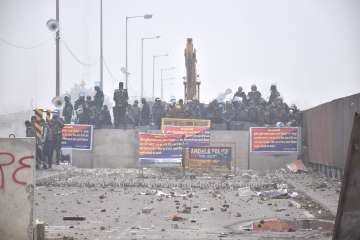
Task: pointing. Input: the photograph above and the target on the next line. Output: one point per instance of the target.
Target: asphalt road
(121, 204)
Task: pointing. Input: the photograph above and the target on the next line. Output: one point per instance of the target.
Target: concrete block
(17, 163)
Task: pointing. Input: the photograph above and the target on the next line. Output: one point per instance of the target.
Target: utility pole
(101, 47)
(57, 52)
(153, 80)
(162, 79)
(146, 16)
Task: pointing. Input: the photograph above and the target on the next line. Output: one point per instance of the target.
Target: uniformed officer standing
(121, 102)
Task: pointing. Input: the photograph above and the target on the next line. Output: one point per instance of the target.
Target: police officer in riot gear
(98, 99)
(241, 94)
(67, 110)
(274, 94)
(157, 112)
(145, 113)
(254, 96)
(121, 102)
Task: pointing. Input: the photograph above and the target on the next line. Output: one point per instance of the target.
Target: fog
(309, 48)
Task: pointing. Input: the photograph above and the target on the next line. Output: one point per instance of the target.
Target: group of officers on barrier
(251, 108)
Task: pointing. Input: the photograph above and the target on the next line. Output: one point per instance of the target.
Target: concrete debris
(74, 218)
(322, 185)
(245, 192)
(186, 210)
(297, 166)
(276, 193)
(177, 218)
(175, 226)
(294, 203)
(178, 209)
(147, 210)
(293, 194)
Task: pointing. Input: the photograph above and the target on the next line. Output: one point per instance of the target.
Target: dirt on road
(123, 204)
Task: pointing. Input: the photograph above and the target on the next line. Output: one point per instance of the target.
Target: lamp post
(162, 79)
(101, 47)
(53, 26)
(142, 62)
(57, 52)
(153, 80)
(146, 16)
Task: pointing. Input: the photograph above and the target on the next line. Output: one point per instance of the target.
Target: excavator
(191, 85)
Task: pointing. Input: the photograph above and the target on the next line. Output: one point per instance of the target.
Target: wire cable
(14, 45)
(109, 71)
(77, 59)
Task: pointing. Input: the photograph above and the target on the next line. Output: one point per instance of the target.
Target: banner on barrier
(196, 131)
(77, 136)
(185, 122)
(194, 136)
(209, 157)
(160, 149)
(274, 139)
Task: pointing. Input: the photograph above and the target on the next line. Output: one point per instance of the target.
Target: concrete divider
(116, 148)
(16, 188)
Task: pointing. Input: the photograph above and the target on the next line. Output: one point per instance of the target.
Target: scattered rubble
(118, 199)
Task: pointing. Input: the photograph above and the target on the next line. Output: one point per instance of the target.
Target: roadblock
(16, 188)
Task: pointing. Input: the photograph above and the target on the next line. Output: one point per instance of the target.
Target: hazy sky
(309, 48)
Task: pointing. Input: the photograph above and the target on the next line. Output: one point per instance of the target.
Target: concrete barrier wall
(327, 130)
(16, 188)
(116, 148)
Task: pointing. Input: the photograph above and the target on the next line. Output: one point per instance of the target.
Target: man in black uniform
(274, 94)
(241, 94)
(79, 107)
(67, 110)
(135, 113)
(104, 118)
(49, 143)
(157, 112)
(30, 130)
(57, 127)
(98, 99)
(121, 101)
(145, 113)
(254, 96)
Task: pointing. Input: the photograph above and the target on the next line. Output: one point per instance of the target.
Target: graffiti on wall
(8, 159)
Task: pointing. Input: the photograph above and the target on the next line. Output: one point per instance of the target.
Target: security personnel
(121, 102)
(67, 110)
(145, 113)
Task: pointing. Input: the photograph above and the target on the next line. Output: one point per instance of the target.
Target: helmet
(280, 124)
(236, 99)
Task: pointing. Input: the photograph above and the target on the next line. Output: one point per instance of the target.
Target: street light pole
(126, 52)
(162, 79)
(57, 52)
(162, 84)
(101, 46)
(153, 81)
(142, 63)
(146, 16)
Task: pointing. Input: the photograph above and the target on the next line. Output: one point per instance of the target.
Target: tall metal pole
(142, 69)
(126, 53)
(162, 84)
(101, 46)
(57, 52)
(153, 80)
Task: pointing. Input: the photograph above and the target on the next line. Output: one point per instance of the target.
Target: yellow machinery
(191, 85)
